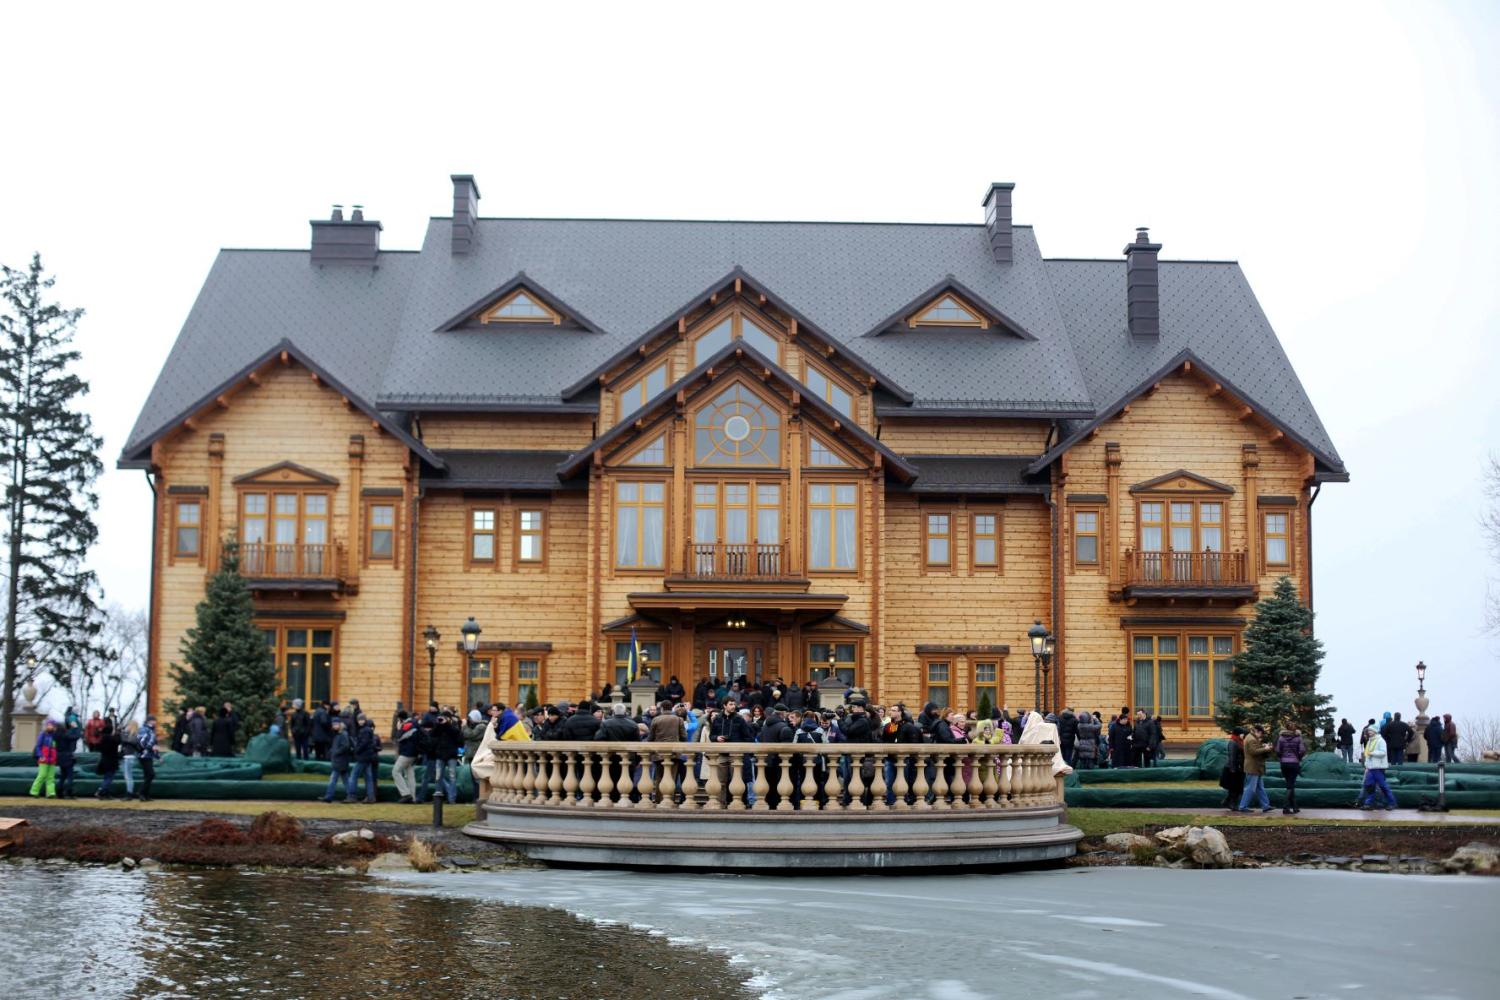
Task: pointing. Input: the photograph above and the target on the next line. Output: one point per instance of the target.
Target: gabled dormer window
(949, 310)
(644, 389)
(520, 306)
(735, 326)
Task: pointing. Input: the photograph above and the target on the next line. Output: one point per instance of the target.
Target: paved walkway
(1383, 815)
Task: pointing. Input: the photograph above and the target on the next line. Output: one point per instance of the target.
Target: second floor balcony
(293, 565)
(1172, 574)
(739, 564)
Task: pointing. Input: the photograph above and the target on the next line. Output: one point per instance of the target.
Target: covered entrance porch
(721, 637)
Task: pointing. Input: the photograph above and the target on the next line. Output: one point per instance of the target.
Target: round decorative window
(737, 428)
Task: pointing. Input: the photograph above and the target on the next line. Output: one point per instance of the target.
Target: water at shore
(77, 931)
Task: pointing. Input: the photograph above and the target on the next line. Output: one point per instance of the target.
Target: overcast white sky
(1346, 153)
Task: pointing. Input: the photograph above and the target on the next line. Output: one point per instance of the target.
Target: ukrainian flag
(633, 664)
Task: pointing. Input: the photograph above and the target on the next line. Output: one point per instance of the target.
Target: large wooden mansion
(863, 453)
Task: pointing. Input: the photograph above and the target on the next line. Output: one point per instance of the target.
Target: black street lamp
(1421, 677)
(1041, 653)
(471, 630)
(432, 635)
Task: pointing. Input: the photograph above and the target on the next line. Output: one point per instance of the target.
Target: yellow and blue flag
(633, 663)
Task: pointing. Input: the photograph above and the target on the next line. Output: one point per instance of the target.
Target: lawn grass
(379, 812)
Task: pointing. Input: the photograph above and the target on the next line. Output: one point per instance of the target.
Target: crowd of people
(121, 748)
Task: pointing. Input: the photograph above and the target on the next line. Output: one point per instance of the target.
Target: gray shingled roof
(377, 329)
(972, 474)
(511, 470)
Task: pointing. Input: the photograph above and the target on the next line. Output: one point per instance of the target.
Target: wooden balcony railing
(737, 561)
(1187, 569)
(759, 777)
(295, 561)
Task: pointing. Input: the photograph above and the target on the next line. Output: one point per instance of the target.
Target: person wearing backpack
(1289, 753)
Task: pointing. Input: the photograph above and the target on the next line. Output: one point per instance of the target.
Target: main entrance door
(725, 660)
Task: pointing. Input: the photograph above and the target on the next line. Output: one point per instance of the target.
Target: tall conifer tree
(48, 463)
(225, 656)
(1276, 675)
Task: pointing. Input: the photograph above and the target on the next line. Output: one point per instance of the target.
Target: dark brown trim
(1276, 500)
(300, 614)
(1087, 498)
(1216, 621)
(381, 491)
(187, 491)
(507, 645)
(987, 649)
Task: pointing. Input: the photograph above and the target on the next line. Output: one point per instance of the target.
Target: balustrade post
(570, 777)
(857, 782)
(878, 790)
(587, 783)
(784, 783)
(904, 759)
(991, 786)
(762, 785)
(809, 788)
(668, 783)
(1008, 781)
(528, 776)
(940, 783)
(644, 784)
(960, 783)
(736, 782)
(921, 803)
(690, 782)
(606, 781)
(714, 761)
(554, 778)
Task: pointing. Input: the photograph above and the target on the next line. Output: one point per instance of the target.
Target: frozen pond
(1078, 933)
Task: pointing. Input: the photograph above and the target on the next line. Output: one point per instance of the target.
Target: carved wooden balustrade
(786, 778)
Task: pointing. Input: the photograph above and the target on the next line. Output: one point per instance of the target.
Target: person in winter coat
(1376, 760)
(1257, 749)
(1143, 739)
(45, 755)
(1450, 740)
(1120, 732)
(1289, 753)
(986, 733)
(182, 735)
(198, 732)
(301, 726)
(411, 743)
(473, 731)
(68, 735)
(108, 765)
(898, 728)
(1397, 735)
(366, 757)
(148, 755)
(1232, 779)
(1346, 740)
(619, 727)
(92, 731)
(1434, 736)
(341, 763)
(320, 733)
(1067, 731)
(1086, 747)
(221, 736)
(581, 725)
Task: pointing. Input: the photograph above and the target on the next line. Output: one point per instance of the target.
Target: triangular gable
(655, 451)
(737, 355)
(1189, 361)
(952, 290)
(286, 474)
(823, 454)
(737, 278)
(475, 314)
(520, 306)
(1182, 479)
(285, 351)
(949, 310)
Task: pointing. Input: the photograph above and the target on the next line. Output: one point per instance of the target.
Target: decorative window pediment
(737, 427)
(521, 306)
(949, 310)
(285, 474)
(1182, 481)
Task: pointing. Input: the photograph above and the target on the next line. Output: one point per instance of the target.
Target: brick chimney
(997, 221)
(339, 241)
(465, 212)
(1142, 287)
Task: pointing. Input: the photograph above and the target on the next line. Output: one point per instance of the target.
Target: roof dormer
(949, 305)
(520, 303)
(949, 310)
(520, 306)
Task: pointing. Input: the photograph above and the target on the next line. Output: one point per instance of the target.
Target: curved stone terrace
(728, 806)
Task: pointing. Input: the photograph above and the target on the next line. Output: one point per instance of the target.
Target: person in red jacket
(46, 762)
(93, 731)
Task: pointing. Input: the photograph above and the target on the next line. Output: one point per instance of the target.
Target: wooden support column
(1115, 516)
(354, 544)
(796, 505)
(877, 566)
(681, 513)
(212, 543)
(1250, 459)
(786, 644)
(598, 510)
(684, 640)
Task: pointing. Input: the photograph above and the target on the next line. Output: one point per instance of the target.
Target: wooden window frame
(513, 675)
(470, 533)
(174, 553)
(280, 648)
(1182, 633)
(808, 366)
(637, 386)
(857, 570)
(975, 566)
(490, 315)
(520, 533)
(752, 505)
(975, 660)
(1281, 568)
(641, 504)
(467, 682)
(738, 316)
(925, 677)
(709, 402)
(979, 321)
(1078, 565)
(1166, 524)
(370, 503)
(811, 663)
(618, 665)
(928, 513)
(848, 462)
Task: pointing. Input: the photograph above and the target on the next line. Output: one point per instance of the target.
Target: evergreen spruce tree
(1276, 676)
(985, 708)
(48, 463)
(531, 702)
(225, 655)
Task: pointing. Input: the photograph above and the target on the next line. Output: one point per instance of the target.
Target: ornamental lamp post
(432, 635)
(1420, 722)
(1038, 635)
(833, 662)
(1046, 668)
(471, 630)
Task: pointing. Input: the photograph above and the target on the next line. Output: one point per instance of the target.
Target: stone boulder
(391, 861)
(1208, 848)
(1474, 858)
(1127, 842)
(351, 837)
(1173, 837)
